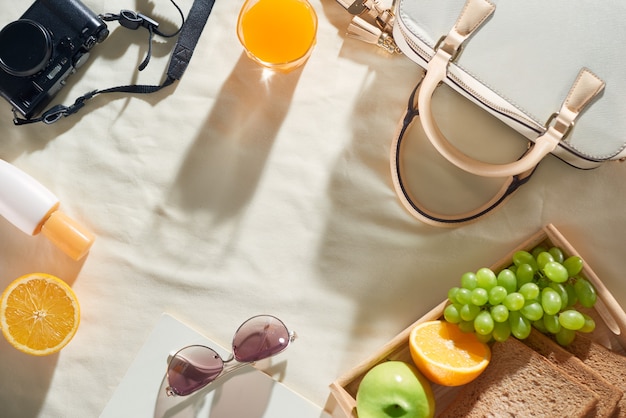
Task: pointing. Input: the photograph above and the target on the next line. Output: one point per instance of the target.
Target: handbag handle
(583, 91)
(414, 206)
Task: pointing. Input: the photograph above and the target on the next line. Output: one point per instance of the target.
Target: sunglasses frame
(226, 367)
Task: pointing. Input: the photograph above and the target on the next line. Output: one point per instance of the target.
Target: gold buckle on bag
(564, 130)
(453, 54)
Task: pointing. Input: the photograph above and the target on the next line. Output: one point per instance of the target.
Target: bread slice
(608, 394)
(520, 382)
(610, 365)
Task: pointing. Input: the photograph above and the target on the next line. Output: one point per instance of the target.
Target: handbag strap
(414, 206)
(179, 60)
(586, 87)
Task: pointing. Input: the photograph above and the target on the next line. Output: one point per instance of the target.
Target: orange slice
(39, 314)
(446, 355)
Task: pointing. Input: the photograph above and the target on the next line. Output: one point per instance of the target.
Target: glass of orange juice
(278, 34)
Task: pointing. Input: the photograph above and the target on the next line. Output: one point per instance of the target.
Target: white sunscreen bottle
(32, 208)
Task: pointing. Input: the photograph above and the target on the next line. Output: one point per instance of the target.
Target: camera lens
(25, 48)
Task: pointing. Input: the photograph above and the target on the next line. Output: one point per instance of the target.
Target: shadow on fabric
(234, 143)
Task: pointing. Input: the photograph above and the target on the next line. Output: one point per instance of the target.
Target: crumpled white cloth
(234, 193)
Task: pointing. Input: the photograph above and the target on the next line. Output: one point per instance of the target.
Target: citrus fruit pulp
(446, 355)
(39, 314)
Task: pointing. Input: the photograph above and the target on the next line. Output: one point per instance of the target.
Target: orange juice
(277, 32)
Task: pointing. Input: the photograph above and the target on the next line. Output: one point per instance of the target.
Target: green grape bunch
(540, 289)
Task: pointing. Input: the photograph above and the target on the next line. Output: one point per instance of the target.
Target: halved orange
(39, 314)
(446, 355)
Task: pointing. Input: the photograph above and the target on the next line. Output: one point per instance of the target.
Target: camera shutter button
(80, 60)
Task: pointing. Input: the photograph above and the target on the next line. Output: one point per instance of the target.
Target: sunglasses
(193, 367)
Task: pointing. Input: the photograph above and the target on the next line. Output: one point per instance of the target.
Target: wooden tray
(610, 328)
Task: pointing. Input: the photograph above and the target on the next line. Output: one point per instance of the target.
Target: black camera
(44, 47)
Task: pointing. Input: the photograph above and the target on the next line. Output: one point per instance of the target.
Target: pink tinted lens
(192, 368)
(260, 337)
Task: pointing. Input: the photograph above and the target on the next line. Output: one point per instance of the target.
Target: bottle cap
(68, 235)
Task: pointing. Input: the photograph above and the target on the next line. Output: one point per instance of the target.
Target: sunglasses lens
(192, 368)
(260, 337)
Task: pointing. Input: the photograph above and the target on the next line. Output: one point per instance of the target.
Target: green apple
(394, 389)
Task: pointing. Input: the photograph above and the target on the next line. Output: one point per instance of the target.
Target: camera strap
(189, 34)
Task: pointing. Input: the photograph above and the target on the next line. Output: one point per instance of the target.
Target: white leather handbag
(553, 71)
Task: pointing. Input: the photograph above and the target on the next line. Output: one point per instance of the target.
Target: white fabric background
(232, 194)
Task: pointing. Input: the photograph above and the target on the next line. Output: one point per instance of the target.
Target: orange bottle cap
(68, 235)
